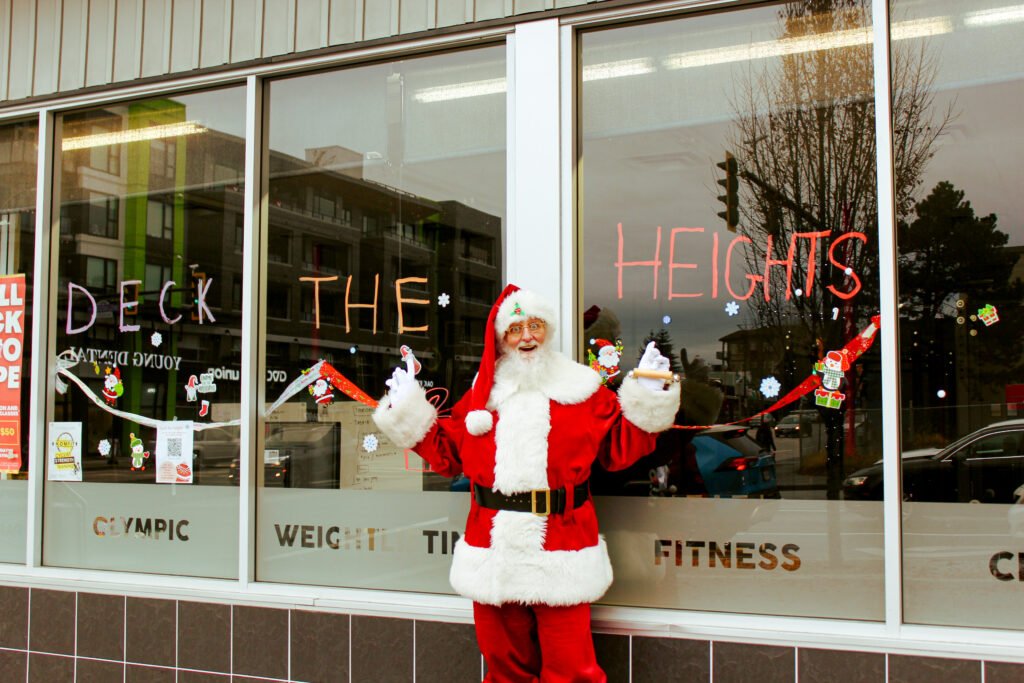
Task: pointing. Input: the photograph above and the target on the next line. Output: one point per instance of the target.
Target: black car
(798, 423)
(986, 466)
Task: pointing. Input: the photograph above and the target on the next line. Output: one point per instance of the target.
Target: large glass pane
(961, 264)
(386, 211)
(141, 451)
(18, 150)
(730, 213)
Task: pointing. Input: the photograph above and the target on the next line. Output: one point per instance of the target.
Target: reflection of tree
(664, 342)
(804, 138)
(953, 262)
(948, 251)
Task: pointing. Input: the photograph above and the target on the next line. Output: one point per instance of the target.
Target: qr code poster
(174, 452)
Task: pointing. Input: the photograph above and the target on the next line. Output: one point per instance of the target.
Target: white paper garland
(66, 361)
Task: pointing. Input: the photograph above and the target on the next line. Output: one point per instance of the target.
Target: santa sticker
(322, 392)
(606, 361)
(112, 387)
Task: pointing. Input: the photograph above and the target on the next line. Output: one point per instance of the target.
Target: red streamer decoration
(854, 349)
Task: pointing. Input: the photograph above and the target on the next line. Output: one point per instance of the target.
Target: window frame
(542, 188)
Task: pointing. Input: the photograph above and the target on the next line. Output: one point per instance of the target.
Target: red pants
(529, 643)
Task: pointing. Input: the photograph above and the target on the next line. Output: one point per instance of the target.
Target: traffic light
(731, 215)
(198, 280)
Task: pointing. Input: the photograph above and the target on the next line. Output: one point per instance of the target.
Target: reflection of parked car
(215, 449)
(985, 466)
(797, 423)
(723, 461)
(731, 463)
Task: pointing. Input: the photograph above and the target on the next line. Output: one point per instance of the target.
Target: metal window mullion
(571, 273)
(534, 244)
(888, 301)
(253, 289)
(43, 327)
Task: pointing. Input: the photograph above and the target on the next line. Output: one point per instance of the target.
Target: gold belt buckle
(547, 502)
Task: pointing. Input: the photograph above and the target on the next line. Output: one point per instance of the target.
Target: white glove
(652, 360)
(402, 381)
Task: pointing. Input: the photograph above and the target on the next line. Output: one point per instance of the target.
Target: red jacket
(543, 437)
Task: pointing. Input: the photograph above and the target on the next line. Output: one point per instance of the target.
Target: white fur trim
(516, 568)
(521, 443)
(407, 423)
(532, 305)
(651, 411)
(479, 422)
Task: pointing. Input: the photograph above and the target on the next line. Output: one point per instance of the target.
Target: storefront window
(961, 265)
(144, 438)
(18, 156)
(386, 214)
(730, 214)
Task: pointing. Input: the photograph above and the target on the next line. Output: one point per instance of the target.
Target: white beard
(530, 371)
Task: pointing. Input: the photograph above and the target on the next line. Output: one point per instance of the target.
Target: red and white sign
(12, 336)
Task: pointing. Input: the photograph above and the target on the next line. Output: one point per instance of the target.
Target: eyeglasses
(517, 330)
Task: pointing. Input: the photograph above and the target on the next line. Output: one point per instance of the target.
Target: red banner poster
(12, 336)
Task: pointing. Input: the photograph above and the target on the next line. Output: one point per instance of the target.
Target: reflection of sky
(651, 141)
(220, 110)
(424, 148)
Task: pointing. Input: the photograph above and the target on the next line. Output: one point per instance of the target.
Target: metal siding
(309, 16)
(376, 19)
(416, 15)
(246, 30)
(47, 48)
(451, 12)
(185, 35)
(489, 9)
(524, 6)
(127, 39)
(216, 20)
(5, 46)
(23, 32)
(72, 45)
(570, 3)
(278, 27)
(155, 36)
(100, 44)
(346, 25)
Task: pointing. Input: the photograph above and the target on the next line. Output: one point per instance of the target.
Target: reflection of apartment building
(175, 211)
(358, 237)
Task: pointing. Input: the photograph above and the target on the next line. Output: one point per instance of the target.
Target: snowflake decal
(667, 320)
(370, 443)
(770, 387)
(732, 308)
(104, 447)
(157, 339)
(443, 300)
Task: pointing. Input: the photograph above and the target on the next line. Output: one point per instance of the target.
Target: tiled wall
(54, 636)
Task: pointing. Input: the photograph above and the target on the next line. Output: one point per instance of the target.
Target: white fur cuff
(651, 411)
(407, 423)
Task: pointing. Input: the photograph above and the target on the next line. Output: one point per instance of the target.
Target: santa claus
(526, 435)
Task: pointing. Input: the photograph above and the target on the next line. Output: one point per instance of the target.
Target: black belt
(540, 502)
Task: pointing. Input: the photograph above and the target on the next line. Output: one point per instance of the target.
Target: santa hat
(514, 305)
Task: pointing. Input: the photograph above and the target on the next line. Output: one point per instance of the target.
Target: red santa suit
(519, 437)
